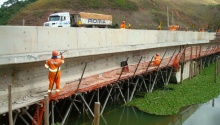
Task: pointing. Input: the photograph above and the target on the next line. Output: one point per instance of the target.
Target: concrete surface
(20, 44)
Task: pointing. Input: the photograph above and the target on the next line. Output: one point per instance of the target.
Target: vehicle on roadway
(81, 19)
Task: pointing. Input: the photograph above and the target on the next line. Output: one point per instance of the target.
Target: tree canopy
(10, 8)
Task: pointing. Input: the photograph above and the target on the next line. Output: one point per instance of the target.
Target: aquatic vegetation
(168, 102)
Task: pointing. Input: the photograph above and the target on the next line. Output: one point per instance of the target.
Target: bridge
(93, 64)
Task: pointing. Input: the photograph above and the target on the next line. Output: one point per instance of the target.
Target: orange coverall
(203, 30)
(123, 25)
(176, 63)
(157, 60)
(53, 64)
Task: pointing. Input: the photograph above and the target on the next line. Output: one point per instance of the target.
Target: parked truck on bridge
(81, 19)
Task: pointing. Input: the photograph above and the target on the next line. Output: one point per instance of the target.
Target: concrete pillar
(10, 116)
(97, 113)
(46, 110)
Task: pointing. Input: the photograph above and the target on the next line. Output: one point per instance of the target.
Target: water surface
(202, 114)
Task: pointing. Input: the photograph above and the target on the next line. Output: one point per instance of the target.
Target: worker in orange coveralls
(203, 30)
(123, 25)
(157, 60)
(54, 68)
(176, 63)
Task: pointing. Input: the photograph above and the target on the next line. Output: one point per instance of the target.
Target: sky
(2, 1)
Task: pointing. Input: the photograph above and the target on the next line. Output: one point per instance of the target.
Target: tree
(10, 8)
(212, 17)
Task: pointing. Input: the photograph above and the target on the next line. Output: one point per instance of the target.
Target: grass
(198, 90)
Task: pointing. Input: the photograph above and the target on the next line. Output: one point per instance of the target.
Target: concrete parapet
(22, 44)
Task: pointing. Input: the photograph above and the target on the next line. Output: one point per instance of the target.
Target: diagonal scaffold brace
(109, 93)
(155, 79)
(72, 103)
(135, 85)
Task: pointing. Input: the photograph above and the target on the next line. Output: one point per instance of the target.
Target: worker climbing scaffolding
(157, 60)
(176, 63)
(54, 70)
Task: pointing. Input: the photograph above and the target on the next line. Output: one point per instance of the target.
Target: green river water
(202, 114)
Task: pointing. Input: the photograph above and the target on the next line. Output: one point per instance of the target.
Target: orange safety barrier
(96, 81)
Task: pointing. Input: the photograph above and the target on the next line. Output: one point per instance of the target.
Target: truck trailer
(81, 19)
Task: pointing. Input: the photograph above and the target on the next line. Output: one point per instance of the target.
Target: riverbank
(200, 89)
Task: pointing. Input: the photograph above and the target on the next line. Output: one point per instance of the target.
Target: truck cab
(58, 20)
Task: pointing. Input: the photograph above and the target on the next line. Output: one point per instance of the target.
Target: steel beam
(52, 111)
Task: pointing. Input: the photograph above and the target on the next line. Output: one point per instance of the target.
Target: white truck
(81, 19)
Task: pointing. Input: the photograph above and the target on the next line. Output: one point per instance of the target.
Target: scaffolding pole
(157, 72)
(10, 105)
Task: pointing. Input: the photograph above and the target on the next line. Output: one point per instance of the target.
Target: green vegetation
(124, 5)
(168, 102)
(117, 4)
(10, 8)
(213, 17)
(57, 123)
(139, 13)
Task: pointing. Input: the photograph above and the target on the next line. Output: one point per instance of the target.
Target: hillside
(139, 13)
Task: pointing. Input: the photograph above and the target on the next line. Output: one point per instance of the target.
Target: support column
(128, 91)
(215, 70)
(46, 110)
(200, 59)
(52, 112)
(218, 65)
(98, 95)
(10, 116)
(182, 64)
(191, 65)
(200, 65)
(97, 113)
